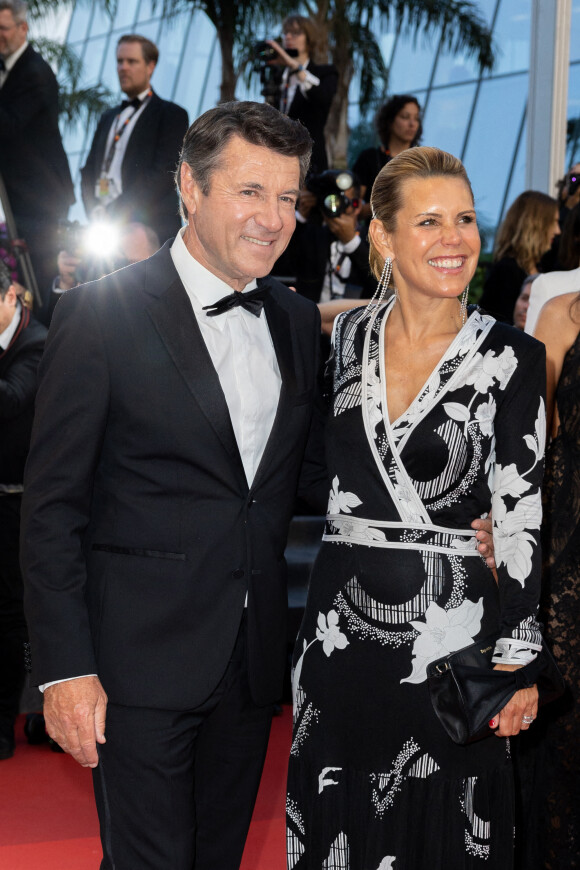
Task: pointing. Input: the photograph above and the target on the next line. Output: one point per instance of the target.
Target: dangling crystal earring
(463, 309)
(383, 284)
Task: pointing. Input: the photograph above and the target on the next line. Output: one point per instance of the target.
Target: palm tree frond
(60, 56)
(459, 22)
(86, 104)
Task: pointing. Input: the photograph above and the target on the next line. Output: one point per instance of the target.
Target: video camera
(270, 72)
(329, 188)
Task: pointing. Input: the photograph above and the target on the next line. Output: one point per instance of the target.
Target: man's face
(134, 73)
(12, 35)
(245, 222)
(7, 308)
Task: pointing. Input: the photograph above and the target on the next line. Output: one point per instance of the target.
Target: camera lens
(334, 204)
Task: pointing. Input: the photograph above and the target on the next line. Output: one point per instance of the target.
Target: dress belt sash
(377, 533)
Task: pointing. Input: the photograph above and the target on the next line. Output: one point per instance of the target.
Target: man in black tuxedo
(21, 343)
(33, 163)
(129, 170)
(173, 431)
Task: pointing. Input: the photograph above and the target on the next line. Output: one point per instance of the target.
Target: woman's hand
(485, 540)
(519, 712)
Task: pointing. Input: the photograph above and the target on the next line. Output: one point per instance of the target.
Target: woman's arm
(558, 331)
(519, 429)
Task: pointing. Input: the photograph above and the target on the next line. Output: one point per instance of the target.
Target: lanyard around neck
(120, 129)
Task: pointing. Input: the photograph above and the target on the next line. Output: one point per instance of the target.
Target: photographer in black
(305, 88)
(329, 260)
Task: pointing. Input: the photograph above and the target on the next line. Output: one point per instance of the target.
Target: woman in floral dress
(434, 417)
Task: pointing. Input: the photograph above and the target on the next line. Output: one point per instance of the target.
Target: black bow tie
(2, 65)
(252, 302)
(136, 102)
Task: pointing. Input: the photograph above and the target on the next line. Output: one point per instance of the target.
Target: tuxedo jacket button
(238, 574)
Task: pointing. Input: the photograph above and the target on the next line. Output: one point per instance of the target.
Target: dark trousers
(13, 632)
(176, 790)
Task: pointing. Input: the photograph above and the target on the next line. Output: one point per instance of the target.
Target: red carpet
(48, 820)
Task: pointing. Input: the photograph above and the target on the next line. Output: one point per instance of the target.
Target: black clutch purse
(467, 693)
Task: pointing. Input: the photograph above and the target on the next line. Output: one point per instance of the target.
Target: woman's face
(435, 246)
(293, 37)
(554, 230)
(406, 123)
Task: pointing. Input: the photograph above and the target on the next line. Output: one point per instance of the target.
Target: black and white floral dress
(374, 782)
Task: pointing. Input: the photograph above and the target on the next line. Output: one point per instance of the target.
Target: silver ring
(527, 720)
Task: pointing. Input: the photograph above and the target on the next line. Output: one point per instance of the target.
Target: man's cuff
(66, 680)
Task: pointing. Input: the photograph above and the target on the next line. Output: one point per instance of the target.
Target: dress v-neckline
(383, 371)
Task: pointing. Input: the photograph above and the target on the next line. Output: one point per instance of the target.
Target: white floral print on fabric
(444, 632)
(331, 637)
(341, 502)
(324, 780)
(485, 415)
(514, 545)
(374, 395)
(329, 633)
(484, 369)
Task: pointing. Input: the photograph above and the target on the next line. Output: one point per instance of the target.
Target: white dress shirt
(114, 172)
(545, 287)
(8, 334)
(10, 61)
(241, 349)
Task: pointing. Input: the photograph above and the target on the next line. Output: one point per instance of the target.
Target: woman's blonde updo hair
(387, 197)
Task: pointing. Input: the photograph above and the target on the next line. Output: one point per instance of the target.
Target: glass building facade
(480, 118)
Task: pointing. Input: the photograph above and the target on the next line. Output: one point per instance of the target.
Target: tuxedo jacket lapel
(146, 123)
(174, 320)
(280, 327)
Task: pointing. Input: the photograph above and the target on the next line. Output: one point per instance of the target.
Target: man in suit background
(173, 430)
(33, 163)
(21, 344)
(129, 170)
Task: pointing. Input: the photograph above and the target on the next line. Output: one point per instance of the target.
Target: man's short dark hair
(5, 279)
(149, 49)
(256, 123)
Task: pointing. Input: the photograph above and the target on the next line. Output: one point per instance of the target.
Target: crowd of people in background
(532, 283)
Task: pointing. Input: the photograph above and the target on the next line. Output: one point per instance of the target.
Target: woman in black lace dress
(549, 758)
(434, 416)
